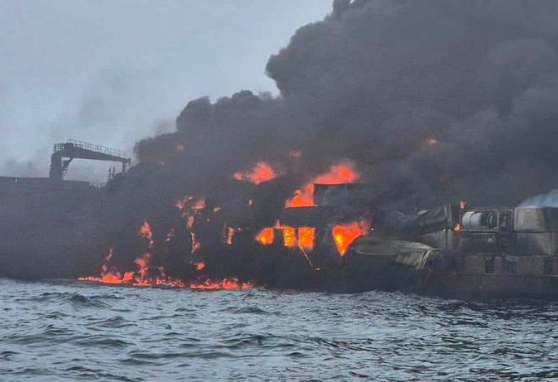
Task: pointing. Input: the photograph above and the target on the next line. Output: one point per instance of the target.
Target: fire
(457, 227)
(196, 245)
(145, 231)
(232, 283)
(230, 235)
(179, 147)
(190, 207)
(190, 202)
(142, 276)
(266, 236)
(431, 141)
(343, 172)
(306, 237)
(262, 172)
(345, 234)
(289, 236)
(181, 203)
(146, 275)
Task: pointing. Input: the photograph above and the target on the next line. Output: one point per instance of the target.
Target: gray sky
(115, 71)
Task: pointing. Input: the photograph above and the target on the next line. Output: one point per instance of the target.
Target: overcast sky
(114, 71)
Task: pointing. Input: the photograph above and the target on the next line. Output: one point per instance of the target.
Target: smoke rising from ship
(428, 102)
(434, 101)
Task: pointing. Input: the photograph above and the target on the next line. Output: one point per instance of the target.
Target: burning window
(306, 237)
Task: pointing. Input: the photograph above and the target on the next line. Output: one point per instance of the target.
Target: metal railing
(92, 147)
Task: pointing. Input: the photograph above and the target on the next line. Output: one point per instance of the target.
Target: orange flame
(262, 172)
(230, 235)
(195, 244)
(306, 237)
(199, 265)
(431, 141)
(140, 277)
(345, 234)
(232, 283)
(289, 236)
(181, 203)
(266, 236)
(144, 275)
(457, 227)
(343, 172)
(145, 231)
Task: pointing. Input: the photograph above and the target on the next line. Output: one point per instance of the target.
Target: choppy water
(70, 331)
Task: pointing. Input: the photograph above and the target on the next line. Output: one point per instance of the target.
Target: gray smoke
(435, 100)
(545, 200)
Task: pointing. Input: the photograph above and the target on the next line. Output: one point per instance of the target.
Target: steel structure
(65, 153)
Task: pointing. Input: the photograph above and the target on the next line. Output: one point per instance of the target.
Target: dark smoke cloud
(375, 82)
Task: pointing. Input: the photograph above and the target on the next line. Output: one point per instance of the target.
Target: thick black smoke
(377, 82)
(434, 101)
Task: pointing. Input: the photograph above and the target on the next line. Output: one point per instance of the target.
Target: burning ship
(253, 189)
(326, 236)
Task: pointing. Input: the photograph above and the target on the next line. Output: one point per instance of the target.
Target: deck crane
(64, 153)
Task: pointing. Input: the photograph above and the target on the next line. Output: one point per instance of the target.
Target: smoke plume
(434, 101)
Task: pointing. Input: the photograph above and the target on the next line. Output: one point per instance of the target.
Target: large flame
(262, 172)
(345, 234)
(344, 172)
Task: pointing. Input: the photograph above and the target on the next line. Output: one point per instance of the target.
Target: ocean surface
(81, 331)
